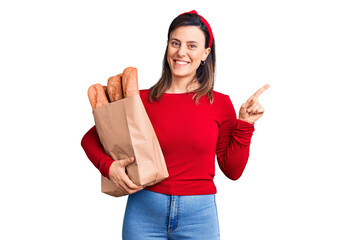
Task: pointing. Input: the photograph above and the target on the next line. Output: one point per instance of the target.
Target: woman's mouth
(180, 63)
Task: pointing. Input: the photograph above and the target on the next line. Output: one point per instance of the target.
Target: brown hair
(204, 73)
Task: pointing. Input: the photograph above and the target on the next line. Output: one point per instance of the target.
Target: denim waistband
(171, 216)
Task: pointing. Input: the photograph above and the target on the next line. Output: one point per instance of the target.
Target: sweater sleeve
(233, 142)
(95, 152)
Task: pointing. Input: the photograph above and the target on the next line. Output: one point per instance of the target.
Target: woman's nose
(182, 51)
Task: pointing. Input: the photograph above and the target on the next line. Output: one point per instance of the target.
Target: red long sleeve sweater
(190, 136)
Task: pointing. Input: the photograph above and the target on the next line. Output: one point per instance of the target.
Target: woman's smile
(181, 63)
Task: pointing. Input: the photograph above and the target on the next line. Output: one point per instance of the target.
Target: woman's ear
(206, 52)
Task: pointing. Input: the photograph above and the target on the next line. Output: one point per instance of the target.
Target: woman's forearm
(95, 152)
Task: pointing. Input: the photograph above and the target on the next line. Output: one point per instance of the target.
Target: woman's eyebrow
(180, 41)
(175, 39)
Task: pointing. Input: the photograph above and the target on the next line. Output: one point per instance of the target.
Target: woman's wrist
(247, 121)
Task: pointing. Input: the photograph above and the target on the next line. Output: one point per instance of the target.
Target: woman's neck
(178, 85)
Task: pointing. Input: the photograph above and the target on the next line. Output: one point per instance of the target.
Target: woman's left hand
(252, 110)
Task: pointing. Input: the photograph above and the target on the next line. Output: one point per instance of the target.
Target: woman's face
(186, 50)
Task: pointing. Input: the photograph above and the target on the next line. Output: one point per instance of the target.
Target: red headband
(207, 25)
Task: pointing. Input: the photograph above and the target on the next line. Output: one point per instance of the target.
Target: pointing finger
(259, 91)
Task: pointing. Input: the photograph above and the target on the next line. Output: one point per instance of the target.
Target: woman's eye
(175, 44)
(192, 46)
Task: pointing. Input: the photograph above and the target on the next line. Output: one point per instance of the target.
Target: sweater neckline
(178, 93)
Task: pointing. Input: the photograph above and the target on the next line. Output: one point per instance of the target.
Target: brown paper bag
(125, 130)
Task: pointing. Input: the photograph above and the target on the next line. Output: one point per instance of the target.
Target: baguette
(130, 82)
(114, 88)
(97, 96)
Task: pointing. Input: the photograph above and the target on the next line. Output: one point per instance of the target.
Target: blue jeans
(151, 215)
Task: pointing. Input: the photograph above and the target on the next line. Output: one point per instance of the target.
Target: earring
(203, 62)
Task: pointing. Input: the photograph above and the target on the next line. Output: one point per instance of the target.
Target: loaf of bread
(130, 82)
(114, 88)
(97, 95)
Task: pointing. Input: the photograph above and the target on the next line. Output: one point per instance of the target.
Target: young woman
(193, 123)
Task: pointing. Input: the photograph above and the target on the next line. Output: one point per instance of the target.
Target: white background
(301, 181)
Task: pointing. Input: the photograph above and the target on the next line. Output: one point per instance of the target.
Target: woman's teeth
(181, 62)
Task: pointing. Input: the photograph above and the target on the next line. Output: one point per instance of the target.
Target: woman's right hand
(119, 177)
